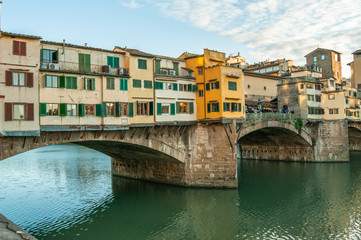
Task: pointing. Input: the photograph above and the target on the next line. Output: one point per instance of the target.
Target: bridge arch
(354, 136)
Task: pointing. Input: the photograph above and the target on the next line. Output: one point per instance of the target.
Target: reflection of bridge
(203, 154)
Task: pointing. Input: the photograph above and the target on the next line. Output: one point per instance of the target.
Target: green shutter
(217, 107)
(110, 61)
(234, 107)
(190, 88)
(159, 109)
(232, 86)
(81, 62)
(225, 107)
(151, 108)
(131, 109)
(81, 110)
(239, 107)
(118, 109)
(124, 84)
(176, 68)
(195, 88)
(98, 110)
(191, 108)
(172, 109)
(207, 86)
(157, 66)
(178, 107)
(43, 109)
(75, 83)
(87, 63)
(62, 82)
(104, 109)
(85, 84)
(208, 107)
(142, 64)
(181, 87)
(93, 84)
(217, 85)
(46, 80)
(68, 82)
(137, 83)
(116, 62)
(175, 87)
(148, 84)
(62, 109)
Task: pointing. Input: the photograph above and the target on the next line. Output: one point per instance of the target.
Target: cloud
(274, 28)
(130, 3)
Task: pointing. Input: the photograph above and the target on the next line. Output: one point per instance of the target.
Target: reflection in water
(67, 192)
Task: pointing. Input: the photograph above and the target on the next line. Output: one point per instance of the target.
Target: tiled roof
(19, 35)
(322, 49)
(79, 46)
(170, 58)
(357, 51)
(136, 52)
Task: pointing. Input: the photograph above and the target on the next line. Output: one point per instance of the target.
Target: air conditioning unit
(53, 66)
(164, 71)
(172, 72)
(122, 71)
(105, 69)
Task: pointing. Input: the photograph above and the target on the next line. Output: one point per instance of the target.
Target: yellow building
(220, 87)
(19, 96)
(356, 69)
(141, 88)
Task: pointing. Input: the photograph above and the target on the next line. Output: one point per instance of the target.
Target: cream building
(356, 69)
(19, 96)
(82, 86)
(175, 91)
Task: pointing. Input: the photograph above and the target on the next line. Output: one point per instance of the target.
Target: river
(68, 192)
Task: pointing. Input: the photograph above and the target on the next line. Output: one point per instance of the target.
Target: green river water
(68, 192)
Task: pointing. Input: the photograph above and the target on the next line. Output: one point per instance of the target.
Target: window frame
(15, 73)
(142, 63)
(110, 83)
(72, 110)
(91, 107)
(24, 111)
(53, 111)
(51, 81)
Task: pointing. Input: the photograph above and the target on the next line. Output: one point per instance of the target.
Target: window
(19, 48)
(49, 56)
(338, 57)
(89, 83)
(110, 84)
(234, 107)
(322, 57)
(317, 86)
(110, 109)
(215, 107)
(332, 83)
(269, 69)
(124, 109)
(310, 98)
(148, 84)
(256, 71)
(314, 59)
(137, 83)
(19, 111)
(232, 86)
(248, 86)
(275, 68)
(301, 86)
(226, 107)
(71, 82)
(51, 81)
(331, 96)
(183, 107)
(89, 109)
(113, 62)
(52, 109)
(333, 111)
(84, 62)
(215, 85)
(142, 64)
(318, 98)
(168, 86)
(124, 84)
(159, 85)
(200, 93)
(358, 55)
(200, 71)
(18, 79)
(310, 86)
(262, 70)
(142, 108)
(71, 109)
(165, 108)
(265, 88)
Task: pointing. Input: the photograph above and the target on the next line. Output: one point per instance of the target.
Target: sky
(257, 29)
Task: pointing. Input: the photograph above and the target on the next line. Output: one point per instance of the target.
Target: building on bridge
(220, 87)
(19, 95)
(279, 67)
(175, 91)
(356, 69)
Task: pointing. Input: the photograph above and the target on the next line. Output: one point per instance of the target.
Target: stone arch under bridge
(268, 139)
(189, 155)
(354, 136)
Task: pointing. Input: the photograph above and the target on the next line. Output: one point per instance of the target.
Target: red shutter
(23, 48)
(16, 48)
(9, 78)
(30, 80)
(8, 111)
(30, 111)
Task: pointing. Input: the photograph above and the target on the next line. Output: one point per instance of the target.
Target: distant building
(237, 61)
(279, 67)
(19, 93)
(356, 69)
(328, 60)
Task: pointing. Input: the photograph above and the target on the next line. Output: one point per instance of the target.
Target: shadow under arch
(275, 143)
(354, 138)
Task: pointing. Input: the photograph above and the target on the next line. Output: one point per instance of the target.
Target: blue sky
(259, 29)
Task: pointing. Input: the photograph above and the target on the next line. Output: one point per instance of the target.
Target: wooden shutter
(172, 109)
(62, 82)
(98, 110)
(190, 88)
(8, 111)
(181, 87)
(239, 107)
(16, 48)
(157, 66)
(159, 109)
(63, 109)
(191, 108)
(195, 88)
(81, 110)
(151, 108)
(81, 62)
(175, 87)
(74, 82)
(176, 68)
(131, 109)
(30, 111)
(92, 84)
(216, 85)
(208, 107)
(110, 61)
(178, 107)
(116, 62)
(87, 63)
(9, 78)
(104, 109)
(207, 86)
(30, 80)
(43, 109)
(22, 48)
(118, 108)
(224, 107)
(68, 82)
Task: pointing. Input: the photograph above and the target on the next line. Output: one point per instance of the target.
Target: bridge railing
(271, 116)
